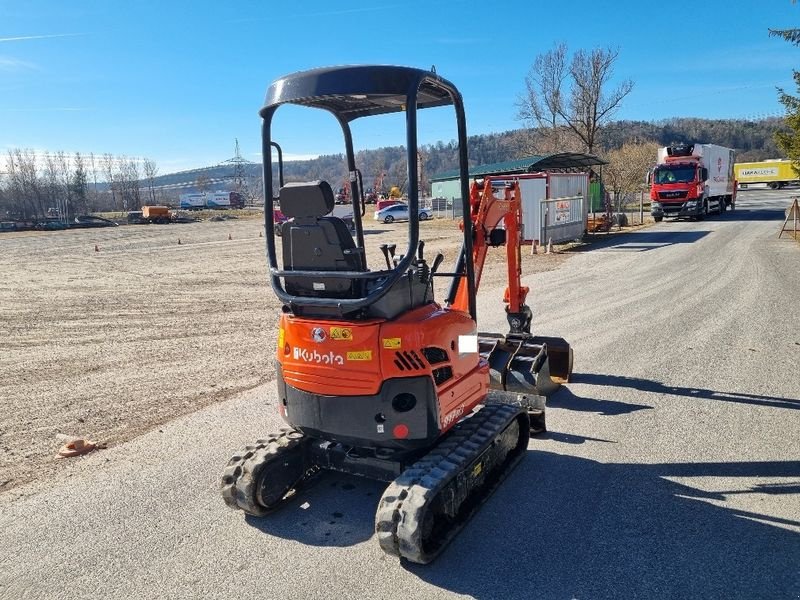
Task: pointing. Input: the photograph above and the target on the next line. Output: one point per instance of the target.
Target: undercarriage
(431, 495)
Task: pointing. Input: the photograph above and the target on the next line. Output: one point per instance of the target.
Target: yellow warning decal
(341, 333)
(281, 337)
(391, 343)
(477, 470)
(360, 355)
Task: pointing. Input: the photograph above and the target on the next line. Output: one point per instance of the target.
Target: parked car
(384, 202)
(399, 212)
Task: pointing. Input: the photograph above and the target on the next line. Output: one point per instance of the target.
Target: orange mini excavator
(375, 377)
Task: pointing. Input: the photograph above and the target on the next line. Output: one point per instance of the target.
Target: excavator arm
(519, 361)
(496, 214)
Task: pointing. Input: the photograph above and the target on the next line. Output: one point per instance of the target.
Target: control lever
(385, 249)
(436, 263)
(420, 248)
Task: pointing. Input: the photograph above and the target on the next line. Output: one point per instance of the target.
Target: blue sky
(178, 81)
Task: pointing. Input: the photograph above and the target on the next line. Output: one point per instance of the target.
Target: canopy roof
(530, 164)
(358, 91)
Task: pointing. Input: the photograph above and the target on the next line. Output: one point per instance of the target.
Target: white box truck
(692, 180)
(212, 200)
(192, 201)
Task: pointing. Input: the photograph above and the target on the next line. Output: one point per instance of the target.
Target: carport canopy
(563, 161)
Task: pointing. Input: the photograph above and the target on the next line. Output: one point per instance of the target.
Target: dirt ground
(108, 333)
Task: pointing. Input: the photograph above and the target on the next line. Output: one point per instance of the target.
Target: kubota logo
(312, 356)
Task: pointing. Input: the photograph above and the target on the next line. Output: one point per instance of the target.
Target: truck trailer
(211, 200)
(774, 173)
(692, 180)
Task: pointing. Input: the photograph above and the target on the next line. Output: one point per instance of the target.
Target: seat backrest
(315, 242)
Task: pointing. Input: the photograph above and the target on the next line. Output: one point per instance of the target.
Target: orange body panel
(338, 358)
(149, 212)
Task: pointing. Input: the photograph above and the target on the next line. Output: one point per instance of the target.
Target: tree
(150, 172)
(128, 175)
(789, 141)
(574, 97)
(79, 185)
(110, 171)
(625, 175)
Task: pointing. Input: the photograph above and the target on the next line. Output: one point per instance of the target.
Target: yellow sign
(360, 355)
(280, 338)
(391, 343)
(341, 333)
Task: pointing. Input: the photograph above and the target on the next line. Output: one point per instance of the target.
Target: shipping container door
(533, 192)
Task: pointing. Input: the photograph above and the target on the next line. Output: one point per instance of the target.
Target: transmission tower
(239, 176)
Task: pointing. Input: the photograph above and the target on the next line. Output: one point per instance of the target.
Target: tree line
(56, 185)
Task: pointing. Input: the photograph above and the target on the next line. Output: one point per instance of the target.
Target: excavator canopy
(361, 91)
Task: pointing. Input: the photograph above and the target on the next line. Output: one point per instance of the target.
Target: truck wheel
(658, 219)
(774, 185)
(721, 204)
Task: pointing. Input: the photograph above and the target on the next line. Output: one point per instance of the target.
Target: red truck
(691, 180)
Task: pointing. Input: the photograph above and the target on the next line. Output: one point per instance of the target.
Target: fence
(447, 208)
(561, 219)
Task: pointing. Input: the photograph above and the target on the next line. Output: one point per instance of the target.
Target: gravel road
(671, 468)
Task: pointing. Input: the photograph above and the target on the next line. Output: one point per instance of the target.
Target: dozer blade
(526, 364)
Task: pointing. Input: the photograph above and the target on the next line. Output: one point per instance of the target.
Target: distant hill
(753, 140)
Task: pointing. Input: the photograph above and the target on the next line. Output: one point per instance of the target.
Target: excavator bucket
(526, 364)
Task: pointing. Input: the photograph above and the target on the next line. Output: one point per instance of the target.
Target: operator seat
(315, 242)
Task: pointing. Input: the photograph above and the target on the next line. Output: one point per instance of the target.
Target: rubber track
(401, 511)
(239, 483)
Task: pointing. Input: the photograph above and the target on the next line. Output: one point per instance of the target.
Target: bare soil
(108, 333)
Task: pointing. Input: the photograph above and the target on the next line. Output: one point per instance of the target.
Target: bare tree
(51, 183)
(543, 102)
(626, 174)
(128, 175)
(576, 97)
(24, 183)
(94, 178)
(110, 172)
(64, 205)
(150, 172)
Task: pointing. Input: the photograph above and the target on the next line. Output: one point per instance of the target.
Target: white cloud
(8, 63)
(38, 37)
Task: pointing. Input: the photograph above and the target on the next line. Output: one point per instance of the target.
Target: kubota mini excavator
(375, 377)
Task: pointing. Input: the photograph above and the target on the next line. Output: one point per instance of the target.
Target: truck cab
(677, 190)
(692, 180)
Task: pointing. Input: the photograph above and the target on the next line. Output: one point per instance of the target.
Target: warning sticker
(281, 337)
(341, 333)
(391, 343)
(360, 355)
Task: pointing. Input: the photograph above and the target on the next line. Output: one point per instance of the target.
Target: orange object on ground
(76, 448)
